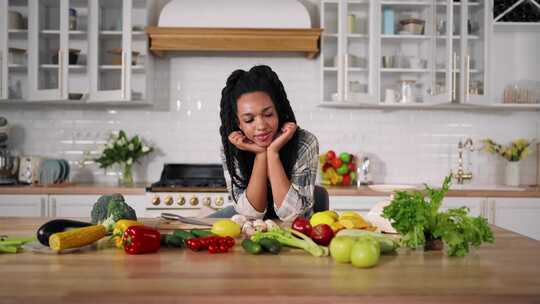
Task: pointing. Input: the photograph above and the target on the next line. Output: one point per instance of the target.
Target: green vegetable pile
(418, 220)
(13, 244)
(111, 208)
(288, 238)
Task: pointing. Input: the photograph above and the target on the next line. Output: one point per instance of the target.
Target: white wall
(406, 146)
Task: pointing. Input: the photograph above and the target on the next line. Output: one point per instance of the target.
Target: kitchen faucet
(461, 175)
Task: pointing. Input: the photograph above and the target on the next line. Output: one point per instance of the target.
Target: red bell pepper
(141, 239)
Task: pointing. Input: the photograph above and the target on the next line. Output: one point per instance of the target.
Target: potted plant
(513, 153)
(123, 151)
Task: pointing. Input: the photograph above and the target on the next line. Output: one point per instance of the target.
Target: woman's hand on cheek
(287, 132)
(240, 141)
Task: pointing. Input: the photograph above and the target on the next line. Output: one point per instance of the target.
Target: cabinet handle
(60, 64)
(493, 212)
(124, 76)
(468, 77)
(1, 74)
(43, 207)
(346, 77)
(454, 77)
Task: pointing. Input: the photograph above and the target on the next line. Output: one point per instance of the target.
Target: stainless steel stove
(188, 189)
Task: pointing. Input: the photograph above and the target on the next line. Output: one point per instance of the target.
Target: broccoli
(111, 208)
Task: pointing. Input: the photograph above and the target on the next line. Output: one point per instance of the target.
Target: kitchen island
(505, 272)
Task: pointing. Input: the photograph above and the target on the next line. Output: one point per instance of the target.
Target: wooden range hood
(167, 39)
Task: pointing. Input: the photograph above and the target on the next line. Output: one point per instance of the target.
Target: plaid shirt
(299, 198)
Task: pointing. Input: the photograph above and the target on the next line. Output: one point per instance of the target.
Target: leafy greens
(415, 215)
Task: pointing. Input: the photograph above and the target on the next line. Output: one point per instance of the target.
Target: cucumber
(201, 233)
(251, 246)
(388, 244)
(270, 245)
(183, 234)
(173, 240)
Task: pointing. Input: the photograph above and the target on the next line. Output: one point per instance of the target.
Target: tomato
(230, 241)
(223, 248)
(213, 249)
(194, 244)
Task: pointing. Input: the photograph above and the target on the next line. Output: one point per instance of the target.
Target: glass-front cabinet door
(3, 49)
(476, 31)
(461, 36)
(348, 70)
(110, 49)
(48, 56)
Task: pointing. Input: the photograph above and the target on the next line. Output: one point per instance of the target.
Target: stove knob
(156, 200)
(194, 201)
(181, 200)
(219, 201)
(207, 201)
(168, 200)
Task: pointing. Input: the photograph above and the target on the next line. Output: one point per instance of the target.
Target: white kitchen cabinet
(59, 205)
(438, 59)
(516, 214)
(360, 204)
(23, 205)
(347, 51)
(13, 50)
(94, 49)
(476, 205)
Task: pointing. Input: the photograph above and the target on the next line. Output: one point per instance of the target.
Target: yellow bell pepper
(119, 228)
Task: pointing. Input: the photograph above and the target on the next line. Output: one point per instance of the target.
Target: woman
(270, 164)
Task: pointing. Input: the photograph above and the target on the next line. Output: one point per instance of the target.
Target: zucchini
(388, 244)
(270, 245)
(59, 225)
(77, 237)
(251, 246)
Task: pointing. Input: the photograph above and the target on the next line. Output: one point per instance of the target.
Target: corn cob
(77, 237)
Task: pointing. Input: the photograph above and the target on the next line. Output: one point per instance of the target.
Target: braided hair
(258, 79)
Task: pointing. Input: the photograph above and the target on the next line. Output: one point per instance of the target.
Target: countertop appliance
(186, 189)
(9, 164)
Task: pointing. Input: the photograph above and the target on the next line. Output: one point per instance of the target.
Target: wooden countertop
(140, 189)
(366, 191)
(505, 272)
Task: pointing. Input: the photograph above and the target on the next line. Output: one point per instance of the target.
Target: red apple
(330, 155)
(302, 224)
(336, 163)
(322, 234)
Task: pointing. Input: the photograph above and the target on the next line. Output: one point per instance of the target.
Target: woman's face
(257, 117)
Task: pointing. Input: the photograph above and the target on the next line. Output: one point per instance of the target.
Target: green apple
(340, 248)
(365, 253)
(345, 157)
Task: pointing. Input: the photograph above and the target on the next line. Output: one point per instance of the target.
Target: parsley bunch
(415, 215)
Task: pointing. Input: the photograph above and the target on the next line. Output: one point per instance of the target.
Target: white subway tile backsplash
(405, 146)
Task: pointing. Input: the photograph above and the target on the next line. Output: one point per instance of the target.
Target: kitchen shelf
(426, 106)
(75, 102)
(516, 26)
(119, 67)
(421, 37)
(406, 3)
(119, 33)
(17, 32)
(50, 32)
(17, 67)
(392, 70)
(354, 35)
(72, 67)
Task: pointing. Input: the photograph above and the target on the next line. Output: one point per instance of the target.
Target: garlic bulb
(270, 224)
(259, 225)
(239, 219)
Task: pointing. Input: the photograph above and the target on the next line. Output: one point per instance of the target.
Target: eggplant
(54, 226)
